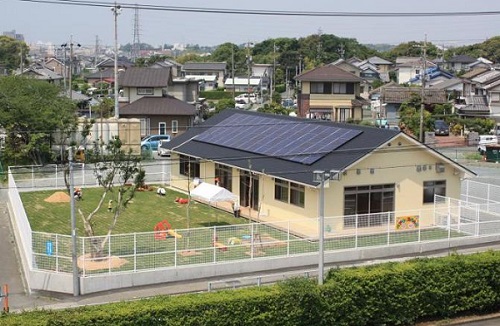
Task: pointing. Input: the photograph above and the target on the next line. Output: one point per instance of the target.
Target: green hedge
(218, 95)
(385, 294)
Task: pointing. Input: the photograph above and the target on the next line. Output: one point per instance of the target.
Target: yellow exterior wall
(395, 164)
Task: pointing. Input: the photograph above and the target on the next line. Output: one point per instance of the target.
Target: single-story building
(269, 162)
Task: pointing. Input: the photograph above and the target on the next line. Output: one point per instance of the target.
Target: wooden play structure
(163, 230)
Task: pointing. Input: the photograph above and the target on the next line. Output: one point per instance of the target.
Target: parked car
(248, 98)
(240, 104)
(162, 150)
(441, 128)
(486, 140)
(152, 142)
(288, 103)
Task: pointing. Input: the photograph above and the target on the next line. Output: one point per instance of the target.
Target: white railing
(147, 251)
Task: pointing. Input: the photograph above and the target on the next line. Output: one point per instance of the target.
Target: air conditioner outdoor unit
(439, 167)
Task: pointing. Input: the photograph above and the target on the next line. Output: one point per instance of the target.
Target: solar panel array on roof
(290, 140)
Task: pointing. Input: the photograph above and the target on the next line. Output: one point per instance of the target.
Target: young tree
(119, 175)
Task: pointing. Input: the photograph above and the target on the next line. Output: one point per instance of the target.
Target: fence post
(84, 257)
(251, 241)
(288, 240)
(419, 226)
(135, 251)
(388, 228)
(356, 232)
(32, 178)
(175, 251)
(56, 177)
(477, 220)
(83, 174)
(57, 252)
(214, 240)
(109, 255)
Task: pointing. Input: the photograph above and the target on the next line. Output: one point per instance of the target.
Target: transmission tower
(136, 46)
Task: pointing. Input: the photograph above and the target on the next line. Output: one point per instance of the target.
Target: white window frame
(145, 91)
(145, 127)
(175, 126)
(162, 128)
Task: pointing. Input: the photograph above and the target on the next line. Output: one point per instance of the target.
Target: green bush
(384, 294)
(218, 95)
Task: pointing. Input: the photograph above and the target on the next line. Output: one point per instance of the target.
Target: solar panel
(286, 139)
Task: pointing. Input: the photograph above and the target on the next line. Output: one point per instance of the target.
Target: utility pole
(65, 71)
(76, 285)
(249, 62)
(96, 50)
(422, 96)
(70, 88)
(116, 12)
(232, 68)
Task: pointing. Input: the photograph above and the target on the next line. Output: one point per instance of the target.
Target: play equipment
(174, 234)
(163, 230)
(233, 241)
(181, 200)
(161, 191)
(218, 245)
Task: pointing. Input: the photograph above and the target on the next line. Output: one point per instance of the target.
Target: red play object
(161, 229)
(181, 200)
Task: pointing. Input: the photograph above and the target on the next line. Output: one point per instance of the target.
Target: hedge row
(218, 95)
(385, 294)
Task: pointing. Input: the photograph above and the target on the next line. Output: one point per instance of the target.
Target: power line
(269, 12)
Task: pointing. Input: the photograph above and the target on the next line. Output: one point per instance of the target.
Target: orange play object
(181, 200)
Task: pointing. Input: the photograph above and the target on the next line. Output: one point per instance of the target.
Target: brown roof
(473, 73)
(158, 106)
(402, 94)
(328, 73)
(145, 77)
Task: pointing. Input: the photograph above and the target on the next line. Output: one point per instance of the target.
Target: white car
(240, 104)
(162, 150)
(248, 98)
(486, 140)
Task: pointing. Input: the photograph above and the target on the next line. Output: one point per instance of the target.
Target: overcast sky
(49, 22)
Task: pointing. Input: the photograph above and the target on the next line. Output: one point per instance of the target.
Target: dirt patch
(39, 207)
(101, 263)
(58, 197)
(187, 253)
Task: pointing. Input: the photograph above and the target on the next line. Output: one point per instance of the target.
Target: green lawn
(146, 209)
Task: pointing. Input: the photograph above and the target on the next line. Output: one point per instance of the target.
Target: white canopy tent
(212, 193)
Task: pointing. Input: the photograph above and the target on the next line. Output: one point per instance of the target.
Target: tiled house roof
(145, 77)
(402, 94)
(168, 105)
(205, 66)
(328, 73)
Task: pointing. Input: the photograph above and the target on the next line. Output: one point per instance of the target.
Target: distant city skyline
(57, 22)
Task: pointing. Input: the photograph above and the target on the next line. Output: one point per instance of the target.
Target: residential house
(349, 67)
(381, 66)
(365, 86)
(481, 94)
(391, 96)
(330, 93)
(459, 62)
(206, 69)
(40, 72)
(481, 63)
(56, 66)
(175, 67)
(376, 176)
(433, 75)
(146, 95)
(452, 87)
(243, 84)
(102, 79)
(408, 68)
(123, 63)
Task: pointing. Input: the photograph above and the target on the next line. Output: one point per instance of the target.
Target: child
(110, 205)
